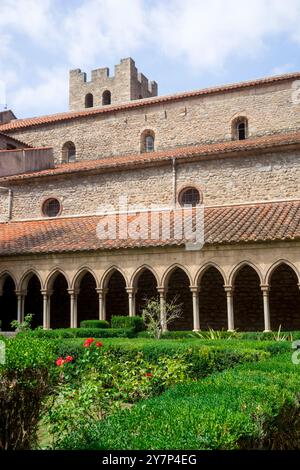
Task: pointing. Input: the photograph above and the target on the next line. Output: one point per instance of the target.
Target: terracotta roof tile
(180, 153)
(41, 120)
(261, 222)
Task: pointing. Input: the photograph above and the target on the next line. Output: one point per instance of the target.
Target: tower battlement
(126, 84)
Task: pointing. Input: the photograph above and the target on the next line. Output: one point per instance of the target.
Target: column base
(267, 331)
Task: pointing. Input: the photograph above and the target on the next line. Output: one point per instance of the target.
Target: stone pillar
(230, 314)
(196, 317)
(162, 300)
(102, 294)
(265, 290)
(131, 291)
(73, 307)
(46, 308)
(21, 303)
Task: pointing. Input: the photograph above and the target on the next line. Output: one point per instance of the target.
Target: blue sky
(182, 44)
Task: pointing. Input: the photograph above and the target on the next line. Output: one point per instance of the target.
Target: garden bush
(26, 377)
(94, 324)
(136, 322)
(254, 406)
(80, 333)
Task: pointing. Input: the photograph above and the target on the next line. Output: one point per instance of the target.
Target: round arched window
(51, 207)
(189, 197)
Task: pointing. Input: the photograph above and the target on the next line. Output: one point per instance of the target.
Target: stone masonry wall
(190, 121)
(124, 86)
(223, 181)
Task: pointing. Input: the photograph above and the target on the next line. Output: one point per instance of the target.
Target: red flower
(69, 359)
(60, 362)
(88, 342)
(99, 344)
(148, 374)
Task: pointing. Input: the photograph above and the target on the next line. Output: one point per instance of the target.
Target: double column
(20, 305)
(131, 291)
(46, 308)
(73, 307)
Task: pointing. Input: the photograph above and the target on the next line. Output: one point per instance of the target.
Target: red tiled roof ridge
(40, 120)
(266, 222)
(120, 161)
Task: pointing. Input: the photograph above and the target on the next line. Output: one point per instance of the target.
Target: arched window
(89, 100)
(51, 207)
(240, 128)
(147, 141)
(189, 197)
(106, 98)
(68, 152)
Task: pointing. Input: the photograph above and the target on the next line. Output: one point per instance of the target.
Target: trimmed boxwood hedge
(80, 333)
(136, 322)
(254, 406)
(94, 324)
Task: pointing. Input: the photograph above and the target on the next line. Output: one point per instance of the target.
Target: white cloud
(51, 93)
(201, 35)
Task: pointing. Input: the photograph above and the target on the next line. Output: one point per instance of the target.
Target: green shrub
(27, 376)
(94, 324)
(136, 323)
(80, 333)
(253, 406)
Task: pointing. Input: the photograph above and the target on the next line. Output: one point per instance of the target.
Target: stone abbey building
(232, 150)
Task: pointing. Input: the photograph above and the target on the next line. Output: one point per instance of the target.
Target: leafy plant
(25, 325)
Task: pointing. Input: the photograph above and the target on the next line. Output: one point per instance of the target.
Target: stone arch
(137, 273)
(145, 283)
(68, 152)
(8, 300)
(52, 276)
(177, 282)
(75, 284)
(276, 265)
(247, 298)
(85, 283)
(284, 297)
(147, 141)
(106, 98)
(33, 301)
(57, 285)
(115, 284)
(212, 297)
(203, 270)
(26, 278)
(89, 100)
(169, 271)
(3, 275)
(237, 268)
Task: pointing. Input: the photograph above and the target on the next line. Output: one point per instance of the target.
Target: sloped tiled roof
(264, 143)
(42, 120)
(260, 222)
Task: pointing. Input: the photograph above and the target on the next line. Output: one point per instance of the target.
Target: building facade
(77, 191)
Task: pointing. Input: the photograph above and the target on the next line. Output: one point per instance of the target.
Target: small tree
(156, 323)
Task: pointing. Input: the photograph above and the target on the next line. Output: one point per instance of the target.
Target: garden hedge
(94, 324)
(26, 377)
(80, 333)
(254, 406)
(122, 321)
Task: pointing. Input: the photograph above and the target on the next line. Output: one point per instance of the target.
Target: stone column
(21, 303)
(102, 294)
(265, 290)
(162, 300)
(230, 314)
(131, 291)
(196, 317)
(73, 307)
(46, 308)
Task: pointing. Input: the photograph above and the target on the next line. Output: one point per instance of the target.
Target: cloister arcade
(244, 298)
